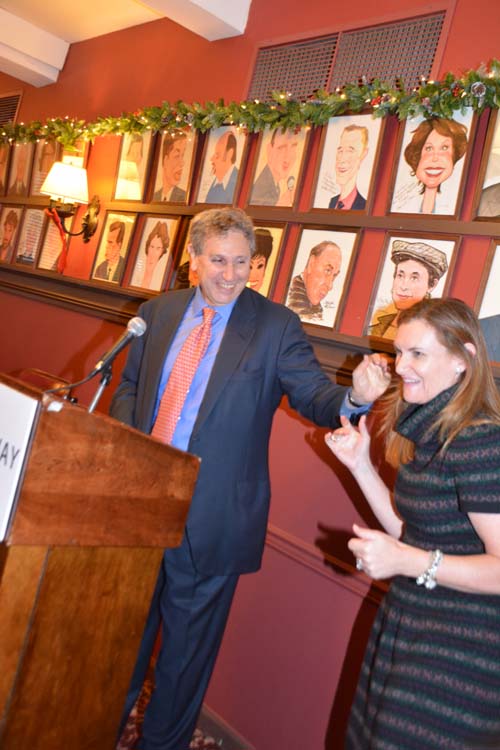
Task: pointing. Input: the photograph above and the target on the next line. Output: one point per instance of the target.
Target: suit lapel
(237, 336)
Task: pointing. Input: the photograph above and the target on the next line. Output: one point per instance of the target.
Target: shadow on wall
(339, 715)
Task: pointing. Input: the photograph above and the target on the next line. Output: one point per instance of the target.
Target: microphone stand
(106, 375)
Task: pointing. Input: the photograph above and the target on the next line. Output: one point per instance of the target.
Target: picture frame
(488, 299)
(269, 242)
(30, 236)
(487, 304)
(174, 165)
(46, 153)
(278, 167)
(20, 169)
(487, 197)
(114, 243)
(349, 151)
(221, 165)
(78, 154)
(4, 166)
(182, 276)
(133, 163)
(412, 267)
(51, 247)
(154, 252)
(320, 274)
(10, 224)
(433, 159)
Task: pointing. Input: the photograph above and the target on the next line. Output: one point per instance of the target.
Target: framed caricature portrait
(132, 166)
(46, 153)
(154, 252)
(348, 153)
(20, 168)
(4, 166)
(321, 268)
(30, 236)
(278, 167)
(488, 303)
(114, 243)
(221, 165)
(174, 167)
(263, 263)
(50, 249)
(489, 296)
(412, 268)
(433, 154)
(10, 224)
(78, 155)
(488, 198)
(183, 276)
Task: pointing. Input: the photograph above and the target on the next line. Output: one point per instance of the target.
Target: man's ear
(192, 256)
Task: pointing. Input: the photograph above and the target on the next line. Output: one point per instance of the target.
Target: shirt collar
(199, 303)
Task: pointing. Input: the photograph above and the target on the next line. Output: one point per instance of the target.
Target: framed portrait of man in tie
(221, 164)
(349, 152)
(278, 167)
(113, 247)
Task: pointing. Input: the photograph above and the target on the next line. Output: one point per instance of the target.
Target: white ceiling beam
(32, 54)
(211, 19)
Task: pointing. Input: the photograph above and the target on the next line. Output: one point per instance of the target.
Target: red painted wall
(288, 663)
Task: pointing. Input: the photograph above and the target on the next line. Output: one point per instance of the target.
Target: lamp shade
(66, 183)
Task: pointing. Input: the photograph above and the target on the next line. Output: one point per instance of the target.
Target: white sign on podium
(17, 413)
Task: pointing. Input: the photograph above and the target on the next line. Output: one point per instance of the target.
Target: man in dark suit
(173, 152)
(113, 265)
(257, 353)
(352, 149)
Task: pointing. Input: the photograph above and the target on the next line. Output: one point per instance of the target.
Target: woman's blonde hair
(476, 398)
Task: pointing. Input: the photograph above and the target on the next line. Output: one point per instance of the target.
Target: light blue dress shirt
(193, 317)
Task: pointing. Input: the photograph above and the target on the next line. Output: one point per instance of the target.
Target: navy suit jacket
(217, 193)
(263, 356)
(358, 205)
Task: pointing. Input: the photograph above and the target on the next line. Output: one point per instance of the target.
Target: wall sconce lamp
(67, 186)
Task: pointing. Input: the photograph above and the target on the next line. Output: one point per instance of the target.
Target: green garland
(479, 89)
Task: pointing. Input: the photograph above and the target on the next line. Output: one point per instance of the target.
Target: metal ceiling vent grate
(9, 105)
(299, 67)
(403, 50)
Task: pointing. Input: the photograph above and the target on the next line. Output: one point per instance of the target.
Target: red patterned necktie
(181, 377)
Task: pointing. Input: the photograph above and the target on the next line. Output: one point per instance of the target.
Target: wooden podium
(96, 505)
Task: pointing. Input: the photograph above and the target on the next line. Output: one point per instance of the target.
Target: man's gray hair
(218, 222)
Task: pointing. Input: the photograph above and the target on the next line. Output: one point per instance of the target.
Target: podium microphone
(136, 327)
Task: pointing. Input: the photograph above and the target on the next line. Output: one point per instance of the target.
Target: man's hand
(371, 378)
